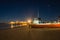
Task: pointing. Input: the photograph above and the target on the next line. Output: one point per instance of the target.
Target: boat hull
(45, 26)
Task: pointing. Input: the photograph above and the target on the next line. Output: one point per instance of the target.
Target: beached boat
(54, 25)
(40, 24)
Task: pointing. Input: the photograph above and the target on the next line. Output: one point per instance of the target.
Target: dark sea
(4, 26)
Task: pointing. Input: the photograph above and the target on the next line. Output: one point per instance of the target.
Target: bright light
(29, 21)
(24, 24)
(12, 22)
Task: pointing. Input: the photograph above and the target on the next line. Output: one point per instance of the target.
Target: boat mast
(38, 14)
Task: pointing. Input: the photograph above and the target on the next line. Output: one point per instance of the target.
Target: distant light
(12, 22)
(29, 20)
(24, 24)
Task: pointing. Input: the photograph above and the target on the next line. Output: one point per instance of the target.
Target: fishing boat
(37, 23)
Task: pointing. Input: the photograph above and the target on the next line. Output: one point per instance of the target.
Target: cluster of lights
(22, 23)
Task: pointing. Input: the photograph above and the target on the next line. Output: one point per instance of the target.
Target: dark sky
(23, 9)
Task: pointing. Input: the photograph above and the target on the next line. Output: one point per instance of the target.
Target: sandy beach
(31, 34)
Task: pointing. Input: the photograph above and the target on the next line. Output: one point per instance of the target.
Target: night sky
(12, 10)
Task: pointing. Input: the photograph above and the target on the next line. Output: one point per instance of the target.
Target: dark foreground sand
(33, 34)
